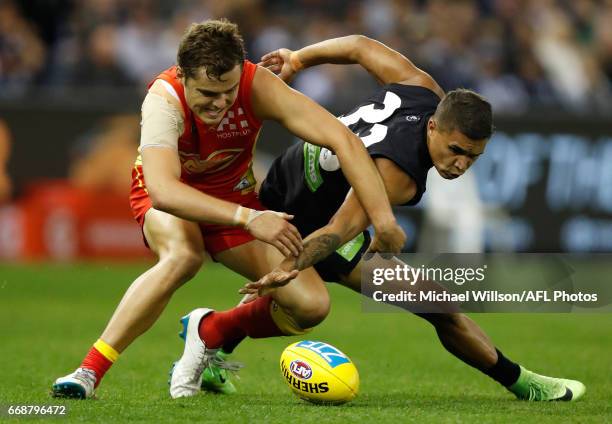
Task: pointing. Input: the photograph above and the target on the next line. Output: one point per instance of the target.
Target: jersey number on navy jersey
(376, 131)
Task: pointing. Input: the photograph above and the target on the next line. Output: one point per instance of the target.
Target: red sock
(252, 319)
(98, 363)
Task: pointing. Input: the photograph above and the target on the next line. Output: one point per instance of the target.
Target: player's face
(210, 98)
(452, 152)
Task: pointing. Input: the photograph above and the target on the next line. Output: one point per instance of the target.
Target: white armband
(244, 216)
(161, 124)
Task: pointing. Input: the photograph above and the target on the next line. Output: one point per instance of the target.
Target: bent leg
(305, 298)
(467, 341)
(292, 309)
(459, 335)
(180, 250)
(464, 338)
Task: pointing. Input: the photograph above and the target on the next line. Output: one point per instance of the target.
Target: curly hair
(215, 45)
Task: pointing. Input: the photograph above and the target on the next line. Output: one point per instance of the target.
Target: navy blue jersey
(306, 180)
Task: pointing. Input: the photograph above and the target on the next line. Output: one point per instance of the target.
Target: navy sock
(504, 371)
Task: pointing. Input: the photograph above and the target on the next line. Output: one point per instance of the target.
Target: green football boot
(217, 376)
(536, 387)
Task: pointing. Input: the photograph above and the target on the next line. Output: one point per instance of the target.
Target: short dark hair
(466, 111)
(215, 45)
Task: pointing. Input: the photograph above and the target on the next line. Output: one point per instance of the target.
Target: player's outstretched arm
(347, 222)
(383, 63)
(272, 99)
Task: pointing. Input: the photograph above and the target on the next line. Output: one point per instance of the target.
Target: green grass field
(51, 314)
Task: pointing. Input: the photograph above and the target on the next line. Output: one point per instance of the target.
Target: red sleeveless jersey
(215, 160)
(218, 160)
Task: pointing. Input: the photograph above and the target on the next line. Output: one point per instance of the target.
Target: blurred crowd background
(73, 74)
(518, 53)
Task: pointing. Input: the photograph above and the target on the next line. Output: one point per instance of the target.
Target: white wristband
(244, 216)
(253, 213)
(241, 216)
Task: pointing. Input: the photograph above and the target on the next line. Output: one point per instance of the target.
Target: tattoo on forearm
(316, 250)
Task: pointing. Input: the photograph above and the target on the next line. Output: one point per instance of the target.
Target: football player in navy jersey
(408, 126)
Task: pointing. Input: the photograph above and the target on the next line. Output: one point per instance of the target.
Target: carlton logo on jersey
(319, 373)
(216, 161)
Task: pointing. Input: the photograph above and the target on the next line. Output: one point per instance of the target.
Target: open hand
(274, 279)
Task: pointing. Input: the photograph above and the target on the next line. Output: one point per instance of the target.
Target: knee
(312, 309)
(302, 314)
(184, 264)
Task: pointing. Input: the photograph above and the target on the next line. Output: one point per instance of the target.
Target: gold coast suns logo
(233, 124)
(215, 162)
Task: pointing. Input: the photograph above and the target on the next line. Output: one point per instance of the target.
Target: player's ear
(431, 124)
(180, 74)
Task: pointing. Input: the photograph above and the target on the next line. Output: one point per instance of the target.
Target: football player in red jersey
(193, 193)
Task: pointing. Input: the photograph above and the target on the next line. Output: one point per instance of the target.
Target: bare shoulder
(265, 84)
(269, 95)
(263, 77)
(423, 79)
(158, 88)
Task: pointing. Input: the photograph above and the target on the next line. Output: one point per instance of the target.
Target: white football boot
(79, 384)
(186, 375)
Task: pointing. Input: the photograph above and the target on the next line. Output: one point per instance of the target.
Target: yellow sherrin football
(319, 373)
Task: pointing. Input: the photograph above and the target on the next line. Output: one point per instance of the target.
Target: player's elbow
(363, 47)
(161, 198)
(358, 43)
(345, 145)
(158, 201)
